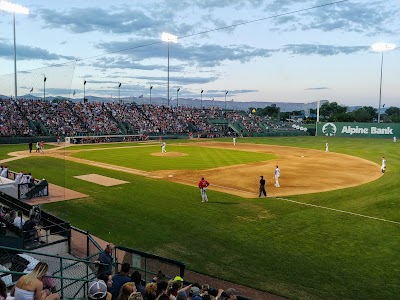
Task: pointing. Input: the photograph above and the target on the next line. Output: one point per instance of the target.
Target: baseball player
(262, 187)
(163, 150)
(326, 147)
(383, 167)
(277, 175)
(234, 140)
(203, 184)
(394, 139)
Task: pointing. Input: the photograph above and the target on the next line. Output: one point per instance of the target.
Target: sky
(270, 51)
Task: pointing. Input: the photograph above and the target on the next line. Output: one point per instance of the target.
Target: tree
(329, 110)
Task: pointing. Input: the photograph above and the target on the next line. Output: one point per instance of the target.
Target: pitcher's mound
(169, 154)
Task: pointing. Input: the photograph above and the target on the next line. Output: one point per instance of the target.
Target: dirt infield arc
(303, 171)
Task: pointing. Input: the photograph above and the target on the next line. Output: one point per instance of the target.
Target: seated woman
(30, 286)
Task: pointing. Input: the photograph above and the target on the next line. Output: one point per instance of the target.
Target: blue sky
(294, 54)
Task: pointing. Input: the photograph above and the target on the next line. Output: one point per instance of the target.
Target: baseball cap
(97, 290)
(178, 278)
(194, 290)
(181, 296)
(231, 291)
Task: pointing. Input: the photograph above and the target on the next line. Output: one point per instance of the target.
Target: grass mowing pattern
(299, 251)
(197, 158)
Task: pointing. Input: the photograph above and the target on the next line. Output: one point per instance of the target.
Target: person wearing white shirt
(383, 167)
(4, 172)
(18, 178)
(277, 175)
(18, 221)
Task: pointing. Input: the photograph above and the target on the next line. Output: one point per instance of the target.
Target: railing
(69, 273)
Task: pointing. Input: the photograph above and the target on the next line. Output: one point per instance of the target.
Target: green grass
(5, 149)
(294, 250)
(195, 158)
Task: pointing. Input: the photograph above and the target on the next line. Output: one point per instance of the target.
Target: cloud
(178, 80)
(207, 55)
(323, 50)
(30, 53)
(316, 88)
(350, 16)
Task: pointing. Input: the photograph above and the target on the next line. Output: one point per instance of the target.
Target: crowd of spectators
(12, 122)
(127, 285)
(65, 118)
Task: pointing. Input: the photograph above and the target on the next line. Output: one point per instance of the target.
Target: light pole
(84, 91)
(44, 88)
(151, 87)
(119, 95)
(167, 37)
(226, 93)
(14, 9)
(381, 47)
(201, 99)
(177, 91)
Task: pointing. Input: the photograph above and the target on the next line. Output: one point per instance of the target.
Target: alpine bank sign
(358, 129)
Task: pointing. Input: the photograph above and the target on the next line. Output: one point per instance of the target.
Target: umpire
(262, 187)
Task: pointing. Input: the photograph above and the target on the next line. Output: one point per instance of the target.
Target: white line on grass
(338, 210)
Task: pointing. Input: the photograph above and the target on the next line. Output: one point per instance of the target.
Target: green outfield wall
(367, 130)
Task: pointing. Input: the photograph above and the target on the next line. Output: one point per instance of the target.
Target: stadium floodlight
(119, 95)
(169, 38)
(177, 91)
(44, 87)
(14, 9)
(151, 87)
(381, 47)
(84, 91)
(226, 93)
(201, 98)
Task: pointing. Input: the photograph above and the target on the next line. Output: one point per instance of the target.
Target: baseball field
(331, 231)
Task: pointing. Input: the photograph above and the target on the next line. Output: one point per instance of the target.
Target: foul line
(338, 210)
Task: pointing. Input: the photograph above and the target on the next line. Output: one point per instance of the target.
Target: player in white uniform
(394, 139)
(326, 147)
(234, 140)
(383, 167)
(277, 175)
(163, 150)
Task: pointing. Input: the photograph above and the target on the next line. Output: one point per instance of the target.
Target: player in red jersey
(203, 184)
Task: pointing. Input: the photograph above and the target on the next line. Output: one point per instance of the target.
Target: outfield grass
(298, 251)
(194, 158)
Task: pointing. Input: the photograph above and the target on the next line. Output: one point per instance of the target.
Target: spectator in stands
(137, 279)
(18, 221)
(105, 260)
(181, 295)
(31, 231)
(126, 290)
(159, 277)
(3, 290)
(162, 288)
(231, 293)
(18, 178)
(2, 211)
(10, 216)
(151, 291)
(30, 286)
(118, 280)
(195, 293)
(97, 290)
(4, 172)
(135, 296)
(107, 278)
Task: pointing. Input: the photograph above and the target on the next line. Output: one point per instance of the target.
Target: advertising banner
(367, 130)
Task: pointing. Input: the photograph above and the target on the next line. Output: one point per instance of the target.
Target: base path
(303, 171)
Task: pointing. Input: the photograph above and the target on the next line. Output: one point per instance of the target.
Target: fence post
(62, 278)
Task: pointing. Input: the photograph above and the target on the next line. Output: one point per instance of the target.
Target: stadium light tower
(84, 91)
(14, 9)
(44, 88)
(201, 98)
(167, 37)
(381, 47)
(226, 93)
(177, 93)
(151, 87)
(119, 95)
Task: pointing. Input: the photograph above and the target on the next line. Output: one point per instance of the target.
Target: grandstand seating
(28, 117)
